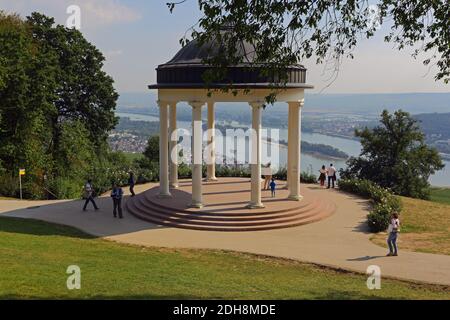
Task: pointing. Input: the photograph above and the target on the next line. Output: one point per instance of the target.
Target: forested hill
(435, 124)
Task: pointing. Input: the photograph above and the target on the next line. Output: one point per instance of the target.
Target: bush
(9, 186)
(65, 188)
(385, 203)
(233, 171)
(308, 177)
(305, 177)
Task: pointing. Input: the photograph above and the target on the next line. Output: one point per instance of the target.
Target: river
(311, 162)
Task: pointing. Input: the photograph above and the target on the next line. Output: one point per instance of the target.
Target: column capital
(257, 104)
(196, 104)
(298, 103)
(162, 103)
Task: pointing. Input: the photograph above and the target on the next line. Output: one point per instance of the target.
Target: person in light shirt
(393, 230)
(331, 176)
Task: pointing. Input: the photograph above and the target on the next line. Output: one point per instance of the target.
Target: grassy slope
(440, 195)
(133, 156)
(35, 255)
(425, 227)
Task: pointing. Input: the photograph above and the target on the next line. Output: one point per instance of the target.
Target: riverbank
(317, 155)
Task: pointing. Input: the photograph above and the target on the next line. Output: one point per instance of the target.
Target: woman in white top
(323, 176)
(393, 230)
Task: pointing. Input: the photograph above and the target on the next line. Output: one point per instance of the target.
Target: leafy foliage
(152, 150)
(56, 105)
(385, 203)
(285, 32)
(394, 155)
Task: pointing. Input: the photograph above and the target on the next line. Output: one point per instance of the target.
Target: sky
(138, 35)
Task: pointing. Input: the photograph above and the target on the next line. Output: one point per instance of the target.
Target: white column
(288, 165)
(197, 154)
(163, 150)
(211, 168)
(294, 150)
(255, 201)
(173, 146)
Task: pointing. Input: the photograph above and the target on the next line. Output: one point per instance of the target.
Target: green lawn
(133, 156)
(425, 227)
(441, 195)
(35, 256)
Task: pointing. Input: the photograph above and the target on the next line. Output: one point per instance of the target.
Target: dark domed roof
(193, 53)
(186, 69)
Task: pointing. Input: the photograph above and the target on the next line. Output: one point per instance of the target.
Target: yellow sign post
(21, 173)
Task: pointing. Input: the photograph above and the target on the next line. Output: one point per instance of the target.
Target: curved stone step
(150, 198)
(199, 221)
(148, 208)
(318, 215)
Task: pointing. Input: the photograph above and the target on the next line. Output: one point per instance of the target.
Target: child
(273, 186)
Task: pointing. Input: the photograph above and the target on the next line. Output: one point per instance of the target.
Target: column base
(255, 206)
(164, 196)
(295, 198)
(174, 186)
(196, 205)
(213, 179)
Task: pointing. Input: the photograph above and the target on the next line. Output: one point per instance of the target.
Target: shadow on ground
(99, 223)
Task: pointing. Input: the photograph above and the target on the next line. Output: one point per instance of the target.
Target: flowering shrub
(385, 203)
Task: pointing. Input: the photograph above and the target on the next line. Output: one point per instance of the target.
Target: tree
(394, 155)
(285, 32)
(152, 150)
(75, 152)
(56, 103)
(84, 92)
(23, 99)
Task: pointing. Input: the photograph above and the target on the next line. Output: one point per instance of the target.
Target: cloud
(107, 12)
(113, 53)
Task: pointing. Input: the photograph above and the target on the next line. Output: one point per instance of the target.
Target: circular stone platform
(225, 209)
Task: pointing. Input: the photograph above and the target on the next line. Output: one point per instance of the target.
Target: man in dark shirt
(117, 195)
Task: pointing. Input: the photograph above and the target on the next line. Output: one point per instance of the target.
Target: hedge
(385, 203)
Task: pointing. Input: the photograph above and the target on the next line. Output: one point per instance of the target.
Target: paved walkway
(339, 241)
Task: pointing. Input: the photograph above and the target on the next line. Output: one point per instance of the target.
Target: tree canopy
(286, 32)
(394, 155)
(56, 103)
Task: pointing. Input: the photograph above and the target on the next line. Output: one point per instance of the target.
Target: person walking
(331, 176)
(323, 176)
(273, 187)
(117, 195)
(132, 182)
(89, 195)
(393, 230)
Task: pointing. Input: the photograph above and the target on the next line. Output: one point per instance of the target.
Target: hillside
(425, 225)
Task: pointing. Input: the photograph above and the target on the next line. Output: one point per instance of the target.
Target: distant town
(131, 136)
